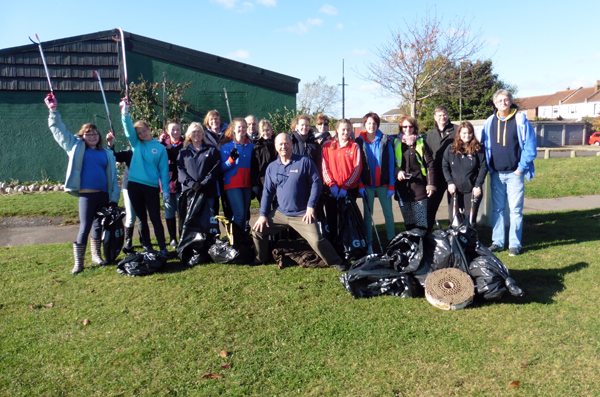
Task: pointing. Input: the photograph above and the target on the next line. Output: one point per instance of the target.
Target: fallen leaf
(31, 306)
(223, 353)
(226, 366)
(37, 263)
(86, 322)
(50, 221)
(515, 383)
(300, 287)
(160, 279)
(278, 303)
(49, 304)
(92, 291)
(524, 365)
(118, 349)
(321, 281)
(212, 376)
(53, 271)
(168, 391)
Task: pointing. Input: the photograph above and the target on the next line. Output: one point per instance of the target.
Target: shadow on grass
(541, 285)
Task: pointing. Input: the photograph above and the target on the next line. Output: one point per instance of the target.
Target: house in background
(569, 104)
(72, 62)
(391, 115)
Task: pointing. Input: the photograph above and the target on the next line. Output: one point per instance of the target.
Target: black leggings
(147, 198)
(89, 204)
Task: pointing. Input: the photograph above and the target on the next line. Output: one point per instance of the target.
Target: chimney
(597, 85)
(568, 88)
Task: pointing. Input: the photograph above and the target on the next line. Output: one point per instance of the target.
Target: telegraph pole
(343, 92)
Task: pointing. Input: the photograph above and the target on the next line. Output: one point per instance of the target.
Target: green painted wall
(29, 153)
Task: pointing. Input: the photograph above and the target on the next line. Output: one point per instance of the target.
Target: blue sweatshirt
(149, 162)
(297, 184)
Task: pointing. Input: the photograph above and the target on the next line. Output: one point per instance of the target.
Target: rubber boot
(128, 248)
(172, 229)
(96, 255)
(79, 254)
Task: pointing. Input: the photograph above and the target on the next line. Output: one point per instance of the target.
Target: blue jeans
(171, 205)
(239, 201)
(386, 206)
(511, 187)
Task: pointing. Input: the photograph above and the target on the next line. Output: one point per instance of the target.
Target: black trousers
(433, 204)
(146, 201)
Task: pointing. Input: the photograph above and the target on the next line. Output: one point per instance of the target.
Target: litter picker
(112, 129)
(39, 43)
(164, 101)
(122, 40)
(227, 101)
(366, 200)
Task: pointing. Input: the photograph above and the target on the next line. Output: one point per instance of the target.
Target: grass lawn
(560, 177)
(297, 331)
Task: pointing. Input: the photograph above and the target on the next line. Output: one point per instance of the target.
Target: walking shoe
(165, 253)
(514, 252)
(174, 244)
(495, 248)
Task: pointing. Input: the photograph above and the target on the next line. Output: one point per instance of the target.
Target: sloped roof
(72, 61)
(391, 112)
(581, 95)
(595, 97)
(531, 102)
(558, 96)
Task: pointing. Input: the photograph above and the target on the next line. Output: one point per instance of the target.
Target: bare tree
(317, 97)
(411, 62)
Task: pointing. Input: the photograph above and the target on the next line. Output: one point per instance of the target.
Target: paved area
(47, 230)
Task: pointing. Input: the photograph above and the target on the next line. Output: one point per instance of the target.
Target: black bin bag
(142, 264)
(491, 277)
(375, 275)
(113, 232)
(406, 251)
(198, 230)
(351, 241)
(236, 248)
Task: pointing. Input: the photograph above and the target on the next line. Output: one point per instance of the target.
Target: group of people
(294, 175)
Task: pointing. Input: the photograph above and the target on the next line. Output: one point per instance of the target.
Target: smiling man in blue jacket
(296, 181)
(510, 148)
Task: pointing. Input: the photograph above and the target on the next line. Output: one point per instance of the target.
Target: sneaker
(496, 248)
(514, 252)
(174, 244)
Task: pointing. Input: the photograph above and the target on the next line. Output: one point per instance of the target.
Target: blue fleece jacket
(527, 142)
(149, 162)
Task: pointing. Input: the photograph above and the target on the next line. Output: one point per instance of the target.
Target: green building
(28, 151)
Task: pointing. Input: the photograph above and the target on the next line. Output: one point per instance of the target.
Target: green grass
(297, 331)
(564, 177)
(559, 177)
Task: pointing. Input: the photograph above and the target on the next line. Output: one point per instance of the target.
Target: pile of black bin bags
(412, 255)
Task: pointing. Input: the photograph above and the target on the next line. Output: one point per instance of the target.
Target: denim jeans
(171, 206)
(511, 187)
(386, 206)
(239, 201)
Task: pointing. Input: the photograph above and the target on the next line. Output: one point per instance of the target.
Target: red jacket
(341, 165)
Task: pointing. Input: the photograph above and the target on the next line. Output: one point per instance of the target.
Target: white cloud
(301, 28)
(339, 26)
(358, 52)
(226, 3)
(268, 3)
(239, 54)
(329, 9)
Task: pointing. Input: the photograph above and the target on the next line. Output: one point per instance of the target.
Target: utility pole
(343, 92)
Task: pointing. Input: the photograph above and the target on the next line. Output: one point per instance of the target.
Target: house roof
(531, 102)
(392, 112)
(72, 61)
(557, 97)
(581, 95)
(595, 97)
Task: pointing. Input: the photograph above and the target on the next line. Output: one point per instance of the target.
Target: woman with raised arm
(91, 176)
(149, 164)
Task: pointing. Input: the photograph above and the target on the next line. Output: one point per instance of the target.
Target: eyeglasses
(322, 123)
(408, 127)
(90, 135)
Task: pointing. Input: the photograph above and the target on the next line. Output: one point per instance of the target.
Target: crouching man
(296, 182)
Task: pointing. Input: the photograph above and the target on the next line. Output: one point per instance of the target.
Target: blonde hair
(188, 134)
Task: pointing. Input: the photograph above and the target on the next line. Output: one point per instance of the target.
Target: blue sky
(541, 47)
